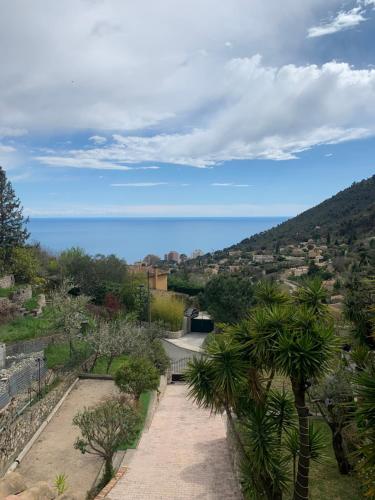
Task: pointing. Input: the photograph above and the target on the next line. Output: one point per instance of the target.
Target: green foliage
(94, 276)
(184, 284)
(168, 309)
(347, 215)
(61, 484)
(312, 295)
(12, 222)
(59, 355)
(137, 375)
(25, 328)
(227, 298)
(24, 264)
(103, 429)
(158, 356)
(268, 293)
(360, 310)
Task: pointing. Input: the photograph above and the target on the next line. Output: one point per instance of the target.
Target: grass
(169, 309)
(5, 292)
(144, 402)
(101, 365)
(59, 354)
(325, 480)
(25, 328)
(31, 304)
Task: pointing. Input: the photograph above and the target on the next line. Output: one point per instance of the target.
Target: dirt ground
(53, 453)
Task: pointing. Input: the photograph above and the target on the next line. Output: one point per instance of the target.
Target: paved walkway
(183, 456)
(53, 453)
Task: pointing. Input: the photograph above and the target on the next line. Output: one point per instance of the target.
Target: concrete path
(53, 453)
(183, 456)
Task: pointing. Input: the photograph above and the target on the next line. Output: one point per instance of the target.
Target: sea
(133, 238)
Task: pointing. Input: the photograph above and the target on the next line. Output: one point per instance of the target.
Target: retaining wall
(7, 281)
(33, 345)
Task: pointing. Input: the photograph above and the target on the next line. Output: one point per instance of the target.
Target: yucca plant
(303, 354)
(313, 296)
(365, 391)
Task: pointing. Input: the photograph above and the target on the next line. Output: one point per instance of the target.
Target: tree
(365, 392)
(24, 264)
(12, 222)
(227, 298)
(303, 354)
(334, 400)
(71, 311)
(137, 375)
(104, 428)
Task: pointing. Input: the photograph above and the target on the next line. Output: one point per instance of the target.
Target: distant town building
(263, 259)
(151, 260)
(172, 256)
(158, 279)
(197, 253)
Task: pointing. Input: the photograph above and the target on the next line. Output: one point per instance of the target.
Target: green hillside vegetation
(348, 216)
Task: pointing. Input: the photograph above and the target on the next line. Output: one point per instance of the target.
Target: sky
(188, 108)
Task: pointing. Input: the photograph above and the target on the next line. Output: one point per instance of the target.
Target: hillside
(347, 216)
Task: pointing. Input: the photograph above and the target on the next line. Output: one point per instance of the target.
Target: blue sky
(149, 109)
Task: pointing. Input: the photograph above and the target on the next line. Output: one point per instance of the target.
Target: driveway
(183, 456)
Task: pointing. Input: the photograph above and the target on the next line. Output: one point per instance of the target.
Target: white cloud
(98, 139)
(229, 184)
(6, 149)
(342, 21)
(296, 108)
(12, 132)
(139, 184)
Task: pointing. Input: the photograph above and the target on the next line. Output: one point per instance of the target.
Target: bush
(169, 309)
(136, 376)
(103, 428)
(159, 357)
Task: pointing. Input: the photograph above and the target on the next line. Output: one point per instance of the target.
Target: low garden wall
(33, 345)
(16, 431)
(7, 281)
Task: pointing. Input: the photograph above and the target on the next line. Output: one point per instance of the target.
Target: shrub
(169, 309)
(104, 427)
(159, 357)
(136, 376)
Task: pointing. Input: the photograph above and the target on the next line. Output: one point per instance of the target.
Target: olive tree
(104, 428)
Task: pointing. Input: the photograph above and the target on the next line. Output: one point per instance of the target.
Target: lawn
(144, 401)
(325, 480)
(5, 292)
(59, 354)
(25, 328)
(101, 365)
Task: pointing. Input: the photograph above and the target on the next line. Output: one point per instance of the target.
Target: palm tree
(269, 293)
(365, 391)
(216, 380)
(303, 354)
(313, 295)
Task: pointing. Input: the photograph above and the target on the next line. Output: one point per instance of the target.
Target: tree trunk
(301, 487)
(340, 454)
(108, 470)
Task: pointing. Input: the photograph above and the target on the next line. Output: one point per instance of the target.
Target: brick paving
(183, 456)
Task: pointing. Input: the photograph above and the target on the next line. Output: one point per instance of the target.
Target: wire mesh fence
(22, 380)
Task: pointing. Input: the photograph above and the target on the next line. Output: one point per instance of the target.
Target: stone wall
(7, 281)
(22, 295)
(33, 345)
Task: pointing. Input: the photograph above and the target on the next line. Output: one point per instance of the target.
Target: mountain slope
(347, 216)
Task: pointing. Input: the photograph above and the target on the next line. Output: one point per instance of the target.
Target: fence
(33, 345)
(178, 367)
(22, 380)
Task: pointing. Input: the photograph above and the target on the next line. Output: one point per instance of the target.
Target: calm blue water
(134, 238)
